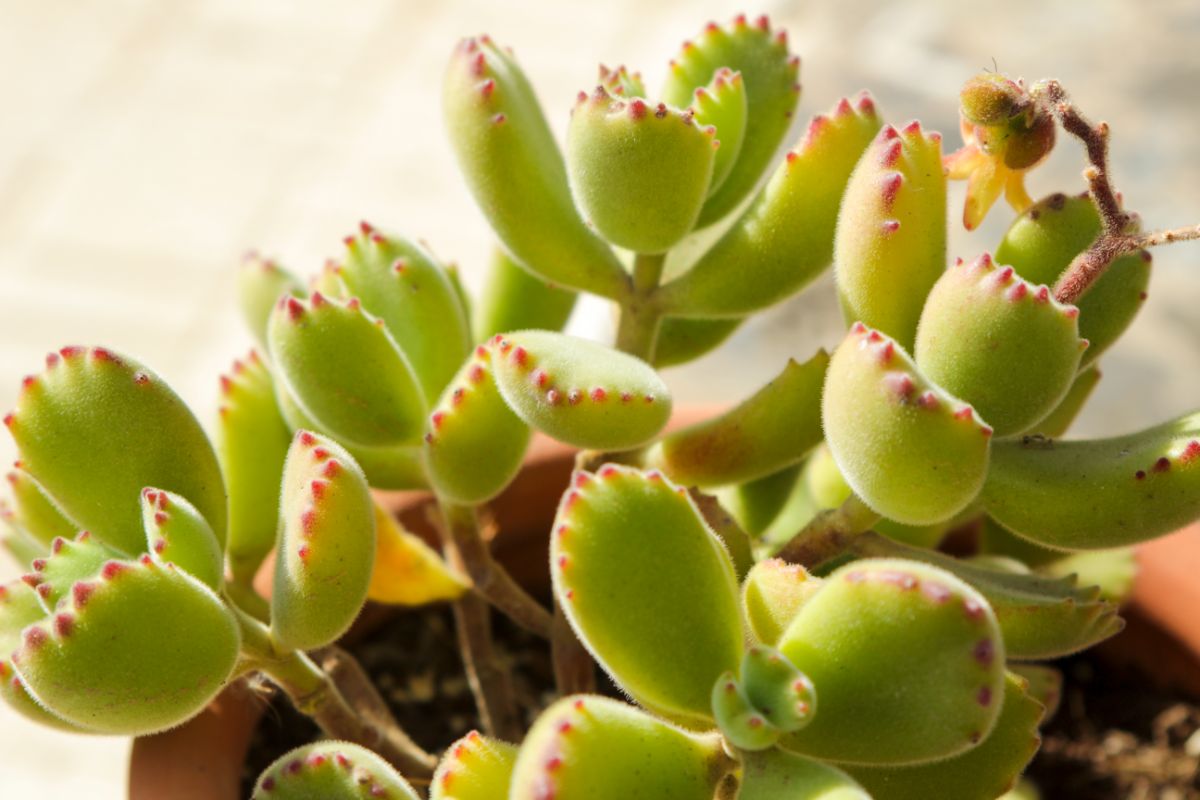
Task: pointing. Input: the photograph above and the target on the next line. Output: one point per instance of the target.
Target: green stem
(829, 533)
(314, 694)
(637, 328)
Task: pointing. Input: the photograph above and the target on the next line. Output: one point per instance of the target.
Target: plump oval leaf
(774, 428)
(578, 391)
(1044, 239)
(639, 174)
(907, 660)
(96, 427)
(983, 773)
(593, 748)
(513, 299)
(326, 546)
(785, 239)
(372, 398)
(514, 169)
(722, 104)
(139, 648)
(779, 775)
(890, 246)
(331, 771)
(260, 284)
(475, 443)
(34, 511)
(648, 587)
(176, 533)
(1000, 343)
(911, 451)
(402, 283)
(474, 768)
(773, 594)
(251, 440)
(770, 74)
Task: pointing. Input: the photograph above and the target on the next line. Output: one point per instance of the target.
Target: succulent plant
(763, 586)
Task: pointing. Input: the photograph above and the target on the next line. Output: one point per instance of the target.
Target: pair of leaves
(621, 533)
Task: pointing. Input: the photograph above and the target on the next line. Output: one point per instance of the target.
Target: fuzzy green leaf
(828, 489)
(260, 284)
(773, 594)
(983, 773)
(34, 511)
(513, 299)
(890, 246)
(780, 775)
(386, 467)
(140, 648)
(474, 768)
(1040, 617)
(785, 239)
(474, 443)
(1056, 423)
(911, 451)
(769, 72)
(513, 167)
(772, 429)
(95, 428)
(638, 174)
(1041, 244)
(593, 748)
(251, 441)
(176, 533)
(722, 104)
(648, 587)
(578, 391)
(1099, 493)
(331, 771)
(402, 283)
(907, 660)
(326, 546)
(371, 399)
(1000, 343)
(681, 340)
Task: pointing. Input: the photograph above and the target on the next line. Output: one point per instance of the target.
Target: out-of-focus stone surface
(145, 145)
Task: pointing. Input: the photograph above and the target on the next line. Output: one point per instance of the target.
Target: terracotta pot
(202, 759)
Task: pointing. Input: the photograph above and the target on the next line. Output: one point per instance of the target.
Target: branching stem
(314, 693)
(1116, 238)
(492, 581)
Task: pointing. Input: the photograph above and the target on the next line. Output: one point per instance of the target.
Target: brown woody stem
(492, 581)
(574, 671)
(1115, 239)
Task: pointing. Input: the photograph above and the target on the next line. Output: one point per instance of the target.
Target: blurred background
(144, 146)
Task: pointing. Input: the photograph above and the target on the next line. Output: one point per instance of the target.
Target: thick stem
(637, 328)
(314, 693)
(490, 579)
(828, 534)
